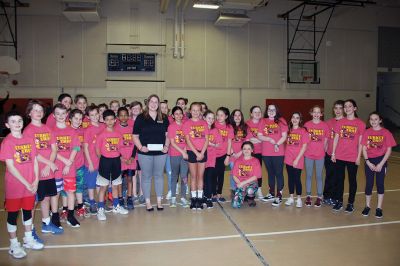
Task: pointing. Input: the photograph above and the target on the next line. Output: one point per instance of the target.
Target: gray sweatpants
(319, 165)
(152, 165)
(179, 167)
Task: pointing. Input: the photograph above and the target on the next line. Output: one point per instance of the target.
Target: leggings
(329, 177)
(319, 166)
(219, 173)
(340, 167)
(179, 167)
(274, 165)
(250, 190)
(294, 178)
(380, 177)
(210, 184)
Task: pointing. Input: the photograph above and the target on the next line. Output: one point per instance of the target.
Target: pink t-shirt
(318, 133)
(213, 137)
(23, 152)
(170, 119)
(269, 128)
(85, 122)
(79, 158)
(246, 169)
(377, 141)
(66, 140)
(127, 145)
(89, 137)
(349, 135)
(175, 132)
(197, 132)
(237, 141)
(295, 140)
(331, 125)
(43, 139)
(252, 132)
(226, 132)
(109, 143)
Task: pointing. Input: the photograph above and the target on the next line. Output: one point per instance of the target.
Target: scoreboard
(131, 62)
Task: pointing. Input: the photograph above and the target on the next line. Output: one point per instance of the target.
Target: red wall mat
(21, 103)
(288, 106)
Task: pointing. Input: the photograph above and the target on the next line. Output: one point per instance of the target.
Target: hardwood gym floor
(225, 236)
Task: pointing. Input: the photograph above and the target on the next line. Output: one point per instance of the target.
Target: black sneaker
(349, 208)
(252, 202)
(365, 212)
(338, 206)
(199, 204)
(269, 197)
(378, 213)
(71, 220)
(209, 204)
(193, 203)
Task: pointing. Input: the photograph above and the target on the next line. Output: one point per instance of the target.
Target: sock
(194, 194)
(115, 202)
(200, 193)
(80, 206)
(46, 220)
(55, 216)
(65, 208)
(70, 213)
(92, 202)
(28, 234)
(13, 241)
(100, 204)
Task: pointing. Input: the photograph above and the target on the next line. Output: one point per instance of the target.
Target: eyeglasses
(271, 110)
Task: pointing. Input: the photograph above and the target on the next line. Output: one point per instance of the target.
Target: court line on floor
(179, 240)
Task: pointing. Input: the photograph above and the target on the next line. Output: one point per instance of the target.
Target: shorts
(90, 178)
(192, 157)
(79, 179)
(70, 184)
(103, 182)
(25, 203)
(128, 172)
(46, 188)
(59, 184)
(110, 168)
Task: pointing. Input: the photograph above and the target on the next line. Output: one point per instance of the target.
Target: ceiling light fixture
(206, 5)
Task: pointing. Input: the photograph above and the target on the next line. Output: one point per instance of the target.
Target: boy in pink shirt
(21, 183)
(246, 171)
(108, 149)
(64, 99)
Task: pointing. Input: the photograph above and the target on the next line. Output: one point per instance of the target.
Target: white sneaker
(299, 203)
(259, 194)
(168, 197)
(177, 189)
(101, 216)
(17, 251)
(119, 209)
(184, 203)
(173, 202)
(31, 243)
(289, 202)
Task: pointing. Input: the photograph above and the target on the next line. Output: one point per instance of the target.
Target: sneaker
(308, 201)
(209, 204)
(31, 243)
(214, 199)
(349, 208)
(193, 203)
(51, 228)
(36, 237)
(338, 206)
(252, 202)
(199, 204)
(378, 213)
(268, 198)
(119, 209)
(93, 209)
(142, 200)
(17, 251)
(326, 201)
(289, 202)
(332, 202)
(173, 203)
(63, 215)
(81, 212)
(299, 203)
(168, 197)
(129, 204)
(365, 212)
(121, 202)
(221, 199)
(259, 194)
(277, 202)
(317, 203)
(107, 209)
(101, 216)
(73, 222)
(184, 203)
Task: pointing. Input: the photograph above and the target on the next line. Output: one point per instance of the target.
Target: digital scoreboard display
(131, 62)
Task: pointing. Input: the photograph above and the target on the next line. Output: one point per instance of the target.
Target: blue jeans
(319, 166)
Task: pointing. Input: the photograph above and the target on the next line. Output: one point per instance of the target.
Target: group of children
(88, 153)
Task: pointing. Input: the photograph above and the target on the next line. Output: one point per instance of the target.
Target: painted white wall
(235, 67)
(389, 105)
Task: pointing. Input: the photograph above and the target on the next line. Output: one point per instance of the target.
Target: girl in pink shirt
(245, 172)
(296, 146)
(224, 150)
(377, 143)
(273, 133)
(240, 133)
(196, 135)
(346, 152)
(178, 155)
(21, 183)
(253, 125)
(81, 104)
(318, 133)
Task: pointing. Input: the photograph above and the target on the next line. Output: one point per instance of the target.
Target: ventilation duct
(82, 10)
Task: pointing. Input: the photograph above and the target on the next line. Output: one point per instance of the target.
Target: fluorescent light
(205, 5)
